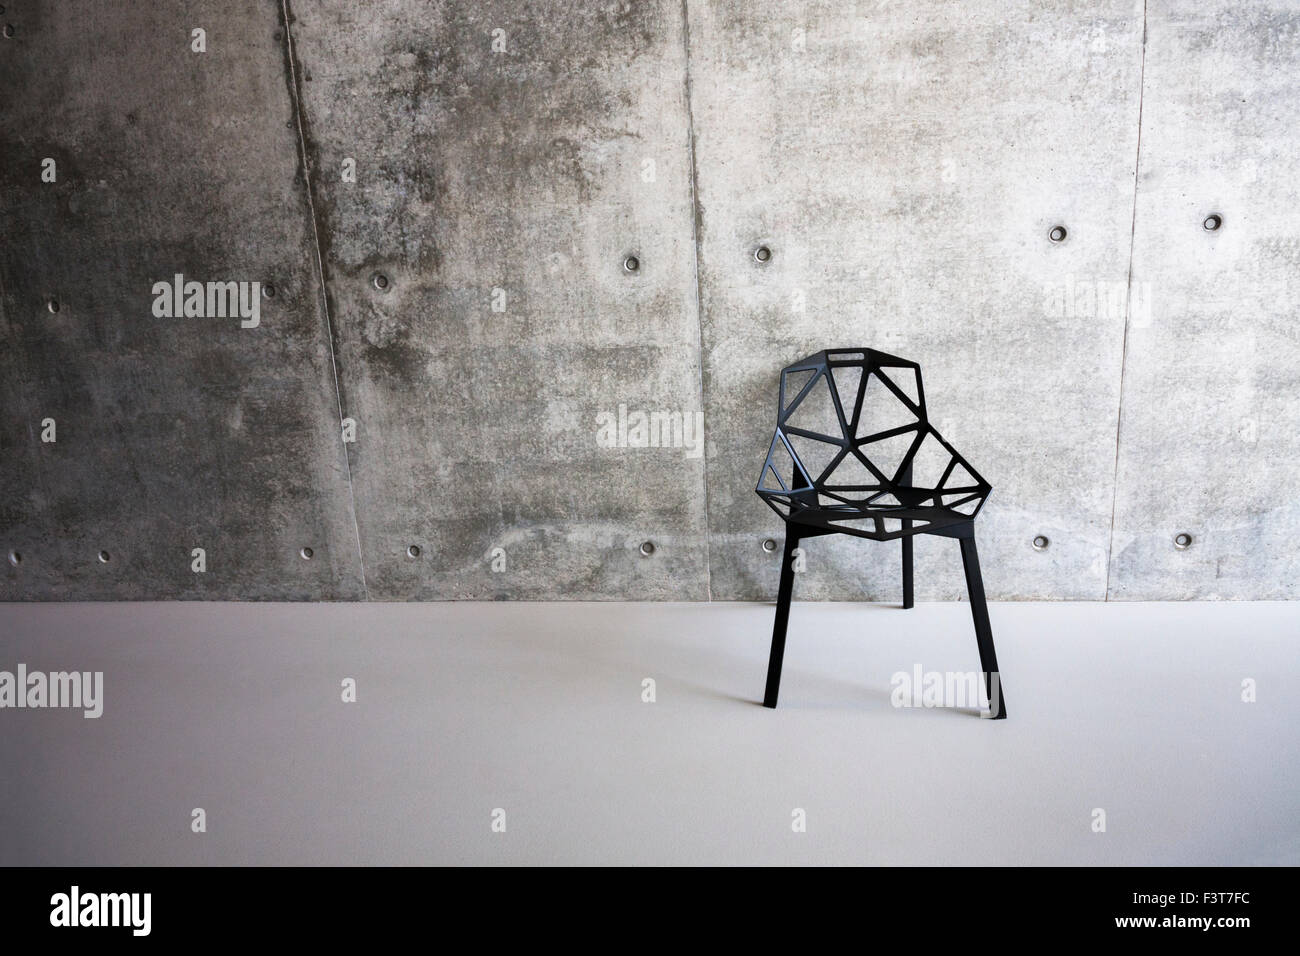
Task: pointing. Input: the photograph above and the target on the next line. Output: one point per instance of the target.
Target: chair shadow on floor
(824, 693)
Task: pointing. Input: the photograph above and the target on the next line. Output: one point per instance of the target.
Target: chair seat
(872, 517)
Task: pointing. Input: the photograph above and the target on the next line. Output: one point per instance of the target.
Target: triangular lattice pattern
(854, 450)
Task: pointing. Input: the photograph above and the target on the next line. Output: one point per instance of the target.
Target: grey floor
(536, 710)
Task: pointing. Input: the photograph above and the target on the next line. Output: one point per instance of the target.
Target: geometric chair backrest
(854, 446)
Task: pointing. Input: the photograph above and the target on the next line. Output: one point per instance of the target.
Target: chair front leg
(983, 630)
(782, 618)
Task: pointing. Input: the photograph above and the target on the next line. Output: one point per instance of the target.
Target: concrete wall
(445, 197)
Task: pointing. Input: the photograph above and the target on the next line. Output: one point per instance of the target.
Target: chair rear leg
(907, 566)
(906, 479)
(983, 631)
(782, 618)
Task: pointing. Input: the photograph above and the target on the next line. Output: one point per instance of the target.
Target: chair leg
(907, 566)
(782, 618)
(983, 631)
(906, 479)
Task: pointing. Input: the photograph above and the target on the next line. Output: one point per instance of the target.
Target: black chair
(855, 453)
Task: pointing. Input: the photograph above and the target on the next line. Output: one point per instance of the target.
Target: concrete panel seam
(699, 299)
(1128, 300)
(296, 96)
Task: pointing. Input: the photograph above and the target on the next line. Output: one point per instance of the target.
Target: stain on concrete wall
(526, 230)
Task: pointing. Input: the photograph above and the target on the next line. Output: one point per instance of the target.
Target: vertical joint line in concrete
(1128, 300)
(699, 297)
(295, 92)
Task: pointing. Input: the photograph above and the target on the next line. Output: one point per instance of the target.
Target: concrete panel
(1209, 442)
(170, 433)
(905, 164)
(508, 159)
